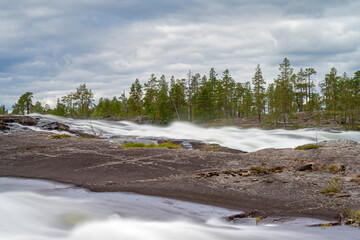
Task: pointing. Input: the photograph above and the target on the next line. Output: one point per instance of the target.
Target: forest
(205, 98)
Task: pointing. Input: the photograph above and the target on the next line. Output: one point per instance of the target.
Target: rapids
(248, 140)
(34, 209)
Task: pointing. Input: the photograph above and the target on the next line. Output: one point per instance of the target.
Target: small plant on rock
(332, 187)
(307, 147)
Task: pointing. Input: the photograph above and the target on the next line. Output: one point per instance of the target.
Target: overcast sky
(50, 47)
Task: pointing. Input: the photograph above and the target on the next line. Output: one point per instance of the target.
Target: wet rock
(23, 120)
(53, 126)
(338, 143)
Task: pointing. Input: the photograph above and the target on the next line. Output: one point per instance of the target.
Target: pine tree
(83, 98)
(163, 103)
(177, 96)
(135, 98)
(151, 92)
(259, 91)
(284, 90)
(330, 89)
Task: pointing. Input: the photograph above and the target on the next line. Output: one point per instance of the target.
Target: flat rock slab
(265, 180)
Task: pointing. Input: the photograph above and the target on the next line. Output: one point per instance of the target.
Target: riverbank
(270, 182)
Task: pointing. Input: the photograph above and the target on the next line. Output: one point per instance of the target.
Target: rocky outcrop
(23, 120)
(321, 182)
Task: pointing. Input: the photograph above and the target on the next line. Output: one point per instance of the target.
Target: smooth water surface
(34, 209)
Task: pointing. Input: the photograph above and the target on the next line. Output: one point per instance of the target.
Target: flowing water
(243, 139)
(34, 209)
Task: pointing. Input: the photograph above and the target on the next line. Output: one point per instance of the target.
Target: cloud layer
(50, 47)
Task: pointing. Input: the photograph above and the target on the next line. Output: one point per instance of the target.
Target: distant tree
(3, 110)
(124, 103)
(135, 98)
(300, 89)
(83, 98)
(284, 89)
(151, 91)
(310, 85)
(330, 89)
(259, 91)
(177, 96)
(163, 102)
(60, 109)
(37, 108)
(23, 104)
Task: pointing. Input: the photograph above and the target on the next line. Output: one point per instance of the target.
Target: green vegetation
(258, 169)
(3, 110)
(332, 187)
(203, 98)
(168, 144)
(60, 136)
(307, 147)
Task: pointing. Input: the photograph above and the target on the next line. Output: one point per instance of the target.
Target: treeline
(203, 98)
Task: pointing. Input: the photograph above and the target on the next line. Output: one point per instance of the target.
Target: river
(248, 140)
(35, 209)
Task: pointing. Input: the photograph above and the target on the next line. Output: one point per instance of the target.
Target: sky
(51, 47)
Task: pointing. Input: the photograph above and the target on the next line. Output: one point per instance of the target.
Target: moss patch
(61, 136)
(307, 147)
(168, 144)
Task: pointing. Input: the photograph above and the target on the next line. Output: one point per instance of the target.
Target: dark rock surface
(267, 180)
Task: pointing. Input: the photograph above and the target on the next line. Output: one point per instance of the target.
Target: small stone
(269, 180)
(306, 167)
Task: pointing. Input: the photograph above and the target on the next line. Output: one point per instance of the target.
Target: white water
(33, 209)
(243, 139)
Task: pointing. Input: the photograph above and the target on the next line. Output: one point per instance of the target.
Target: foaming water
(243, 139)
(33, 209)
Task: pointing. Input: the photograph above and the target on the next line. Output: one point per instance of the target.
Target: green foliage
(60, 136)
(205, 98)
(258, 169)
(308, 147)
(3, 110)
(332, 187)
(168, 144)
(24, 104)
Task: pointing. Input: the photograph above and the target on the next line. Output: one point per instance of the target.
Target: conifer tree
(135, 99)
(284, 90)
(330, 89)
(259, 91)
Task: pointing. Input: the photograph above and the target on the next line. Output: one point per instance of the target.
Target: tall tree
(284, 89)
(151, 91)
(163, 103)
(83, 98)
(3, 110)
(23, 104)
(177, 95)
(259, 91)
(329, 88)
(310, 85)
(37, 108)
(135, 98)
